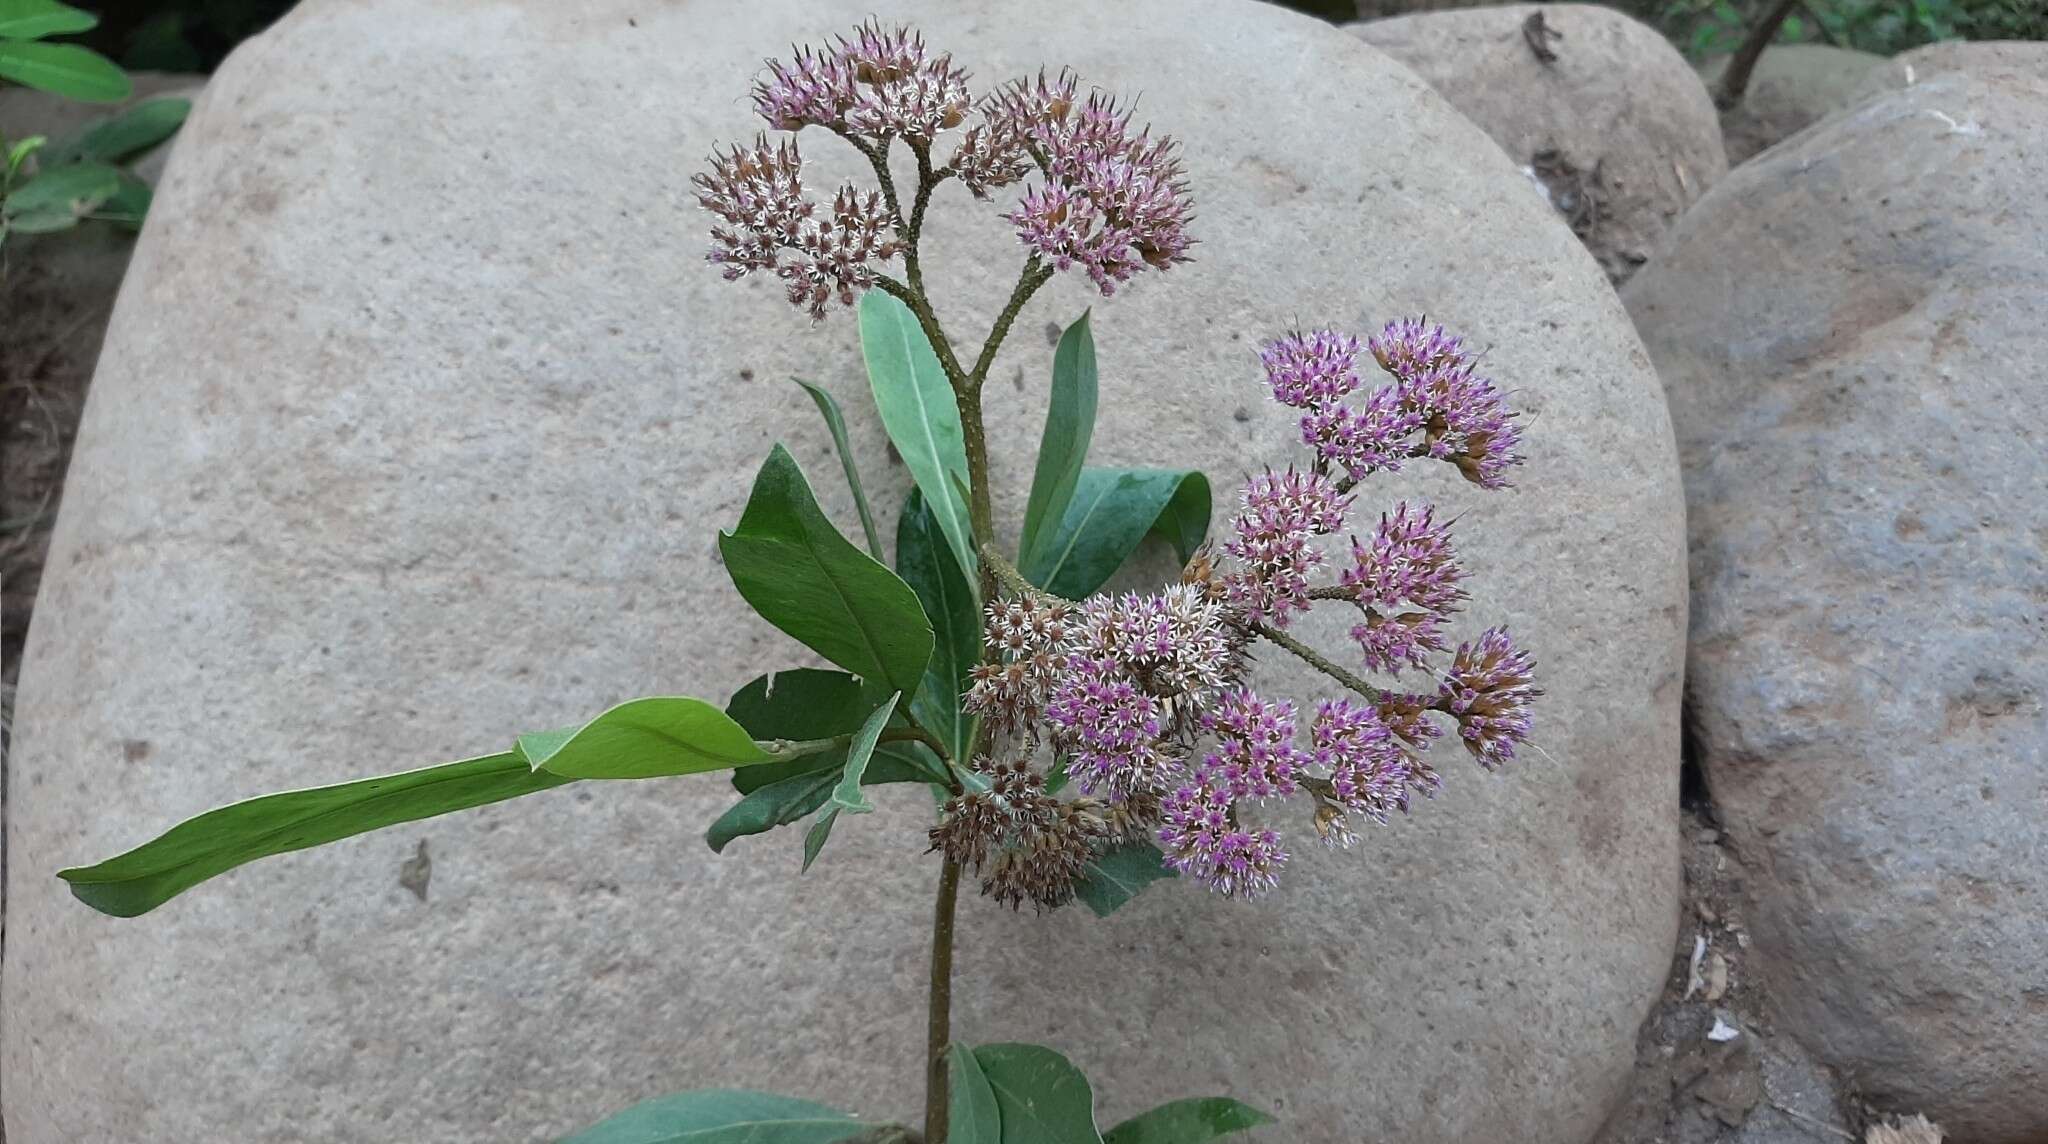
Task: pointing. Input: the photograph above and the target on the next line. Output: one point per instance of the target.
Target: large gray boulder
(415, 420)
(1850, 331)
(1793, 87)
(1598, 107)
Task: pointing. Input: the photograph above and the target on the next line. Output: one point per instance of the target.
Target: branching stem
(1313, 658)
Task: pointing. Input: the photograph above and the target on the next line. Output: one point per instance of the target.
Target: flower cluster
(1025, 844)
(1110, 201)
(1271, 540)
(1437, 405)
(771, 226)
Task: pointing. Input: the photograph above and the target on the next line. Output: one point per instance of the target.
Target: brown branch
(1735, 80)
(1313, 658)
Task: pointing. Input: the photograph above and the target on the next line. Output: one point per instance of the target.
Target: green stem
(1314, 659)
(1035, 274)
(939, 1010)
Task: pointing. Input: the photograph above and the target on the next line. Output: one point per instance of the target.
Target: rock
(1793, 87)
(1850, 334)
(1615, 127)
(413, 426)
(2008, 59)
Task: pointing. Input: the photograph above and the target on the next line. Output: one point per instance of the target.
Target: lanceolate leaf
(836, 422)
(916, 404)
(1110, 513)
(220, 840)
(34, 19)
(846, 795)
(724, 1116)
(128, 205)
(1194, 1121)
(63, 69)
(803, 577)
(1120, 875)
(120, 135)
(1040, 1096)
(60, 196)
(971, 1117)
(927, 565)
(1063, 447)
(644, 739)
(793, 797)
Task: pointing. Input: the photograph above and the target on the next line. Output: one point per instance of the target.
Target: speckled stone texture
(1617, 102)
(1851, 331)
(414, 425)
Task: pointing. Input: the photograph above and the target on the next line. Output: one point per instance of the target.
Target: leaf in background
(59, 196)
(836, 422)
(916, 404)
(18, 152)
(1040, 1096)
(927, 565)
(1193, 1121)
(645, 739)
(120, 135)
(795, 703)
(129, 204)
(1120, 875)
(222, 839)
(803, 577)
(34, 19)
(724, 1116)
(847, 796)
(1063, 447)
(1111, 512)
(64, 69)
(971, 1117)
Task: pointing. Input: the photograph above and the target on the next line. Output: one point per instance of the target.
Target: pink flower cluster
(1436, 406)
(1271, 539)
(875, 85)
(771, 226)
(1406, 581)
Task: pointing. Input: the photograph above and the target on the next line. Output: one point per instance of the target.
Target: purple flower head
(1489, 690)
(771, 226)
(877, 84)
(1391, 642)
(1255, 755)
(1281, 514)
(1376, 437)
(1312, 370)
(1113, 216)
(1202, 839)
(1110, 730)
(1368, 768)
(1467, 422)
(1407, 347)
(1176, 640)
(1408, 561)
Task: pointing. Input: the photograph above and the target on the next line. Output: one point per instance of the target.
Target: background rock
(1630, 133)
(418, 413)
(1793, 87)
(2001, 59)
(1850, 331)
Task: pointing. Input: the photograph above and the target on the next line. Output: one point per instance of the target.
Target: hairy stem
(1313, 658)
(939, 1011)
(1035, 275)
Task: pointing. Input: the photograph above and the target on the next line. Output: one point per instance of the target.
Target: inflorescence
(1108, 198)
(1142, 700)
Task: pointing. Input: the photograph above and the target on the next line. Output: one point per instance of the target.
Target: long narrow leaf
(34, 19)
(643, 739)
(220, 840)
(1063, 446)
(64, 69)
(846, 796)
(1193, 1121)
(742, 1116)
(805, 578)
(927, 565)
(1111, 511)
(120, 135)
(836, 422)
(917, 407)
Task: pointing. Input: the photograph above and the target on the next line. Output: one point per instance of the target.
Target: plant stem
(1735, 80)
(939, 1009)
(1035, 274)
(1314, 659)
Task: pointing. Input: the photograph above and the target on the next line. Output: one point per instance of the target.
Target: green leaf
(916, 404)
(847, 796)
(836, 422)
(19, 152)
(128, 205)
(971, 1116)
(1110, 513)
(118, 136)
(797, 703)
(34, 19)
(64, 69)
(927, 565)
(1193, 1121)
(222, 839)
(723, 1116)
(644, 739)
(1040, 1096)
(1120, 875)
(803, 577)
(58, 197)
(1063, 446)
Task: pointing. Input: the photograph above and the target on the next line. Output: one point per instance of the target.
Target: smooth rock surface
(415, 422)
(1850, 330)
(2004, 59)
(1793, 87)
(1634, 135)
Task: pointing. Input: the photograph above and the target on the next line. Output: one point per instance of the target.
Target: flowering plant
(1082, 743)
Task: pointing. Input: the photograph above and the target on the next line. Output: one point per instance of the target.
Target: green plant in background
(1080, 745)
(1704, 28)
(48, 186)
